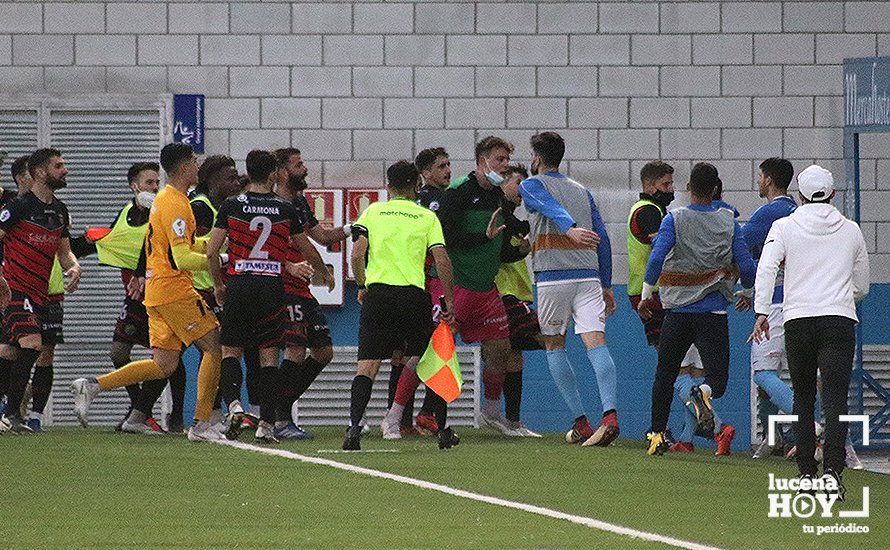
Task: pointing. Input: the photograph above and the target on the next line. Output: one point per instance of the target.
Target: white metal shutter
(875, 360)
(98, 147)
(326, 402)
(18, 136)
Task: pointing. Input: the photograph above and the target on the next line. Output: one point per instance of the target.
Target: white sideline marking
(368, 451)
(580, 520)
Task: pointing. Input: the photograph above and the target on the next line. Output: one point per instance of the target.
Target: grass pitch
(77, 488)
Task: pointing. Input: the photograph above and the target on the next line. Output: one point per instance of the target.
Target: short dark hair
(550, 147)
(703, 179)
(260, 163)
(655, 169)
(174, 154)
(284, 154)
(780, 170)
(518, 169)
(402, 175)
(210, 166)
(490, 143)
(40, 157)
(718, 190)
(428, 157)
(19, 166)
(140, 167)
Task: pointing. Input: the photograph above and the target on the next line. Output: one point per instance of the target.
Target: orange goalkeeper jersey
(171, 222)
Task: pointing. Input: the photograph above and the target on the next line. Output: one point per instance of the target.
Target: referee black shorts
(394, 317)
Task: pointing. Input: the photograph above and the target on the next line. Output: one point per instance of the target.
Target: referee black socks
(361, 394)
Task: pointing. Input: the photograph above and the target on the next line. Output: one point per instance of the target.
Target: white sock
(36, 416)
(280, 423)
(254, 410)
(706, 389)
(394, 414)
(491, 407)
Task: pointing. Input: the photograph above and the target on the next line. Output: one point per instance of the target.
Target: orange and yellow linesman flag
(438, 368)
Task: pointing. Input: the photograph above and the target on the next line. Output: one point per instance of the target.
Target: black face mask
(662, 198)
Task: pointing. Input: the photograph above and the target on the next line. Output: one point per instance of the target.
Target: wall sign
(188, 120)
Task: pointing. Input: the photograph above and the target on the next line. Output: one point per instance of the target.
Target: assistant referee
(391, 241)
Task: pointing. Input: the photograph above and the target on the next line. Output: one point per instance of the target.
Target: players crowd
(224, 262)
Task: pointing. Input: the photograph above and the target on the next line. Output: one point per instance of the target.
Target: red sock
(494, 384)
(610, 418)
(408, 383)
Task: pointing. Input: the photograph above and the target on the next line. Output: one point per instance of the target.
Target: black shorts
(210, 299)
(23, 317)
(524, 327)
(254, 313)
(132, 324)
(307, 326)
(394, 317)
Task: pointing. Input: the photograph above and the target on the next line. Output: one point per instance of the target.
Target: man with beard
(642, 226)
(307, 326)
(34, 230)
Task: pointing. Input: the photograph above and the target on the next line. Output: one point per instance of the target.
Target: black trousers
(825, 345)
(710, 334)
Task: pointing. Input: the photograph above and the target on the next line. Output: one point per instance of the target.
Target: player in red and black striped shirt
(34, 230)
(260, 228)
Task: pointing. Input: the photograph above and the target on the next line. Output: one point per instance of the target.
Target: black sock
(252, 377)
(440, 409)
(177, 390)
(361, 394)
(132, 389)
(309, 371)
(18, 380)
(429, 401)
(41, 387)
(394, 375)
(287, 393)
(151, 392)
(230, 378)
(5, 373)
(512, 395)
(268, 393)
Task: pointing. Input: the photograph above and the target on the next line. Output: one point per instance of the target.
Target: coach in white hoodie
(826, 273)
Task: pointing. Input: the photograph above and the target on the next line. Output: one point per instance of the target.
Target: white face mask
(494, 178)
(145, 198)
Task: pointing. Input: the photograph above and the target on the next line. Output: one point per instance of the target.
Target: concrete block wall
(356, 85)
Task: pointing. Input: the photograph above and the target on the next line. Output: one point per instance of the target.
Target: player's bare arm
(214, 265)
(69, 264)
(359, 249)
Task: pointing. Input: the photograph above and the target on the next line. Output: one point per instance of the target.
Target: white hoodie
(826, 264)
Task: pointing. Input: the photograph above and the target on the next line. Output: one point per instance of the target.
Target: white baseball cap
(815, 183)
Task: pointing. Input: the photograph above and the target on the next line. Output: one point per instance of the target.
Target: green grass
(77, 488)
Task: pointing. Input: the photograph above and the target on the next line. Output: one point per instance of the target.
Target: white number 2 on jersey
(264, 224)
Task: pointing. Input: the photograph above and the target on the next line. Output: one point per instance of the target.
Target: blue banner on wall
(867, 94)
(188, 120)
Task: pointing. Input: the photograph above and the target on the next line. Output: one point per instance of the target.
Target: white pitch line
(547, 512)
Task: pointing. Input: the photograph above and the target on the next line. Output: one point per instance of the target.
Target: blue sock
(681, 390)
(777, 390)
(566, 383)
(606, 376)
(819, 413)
